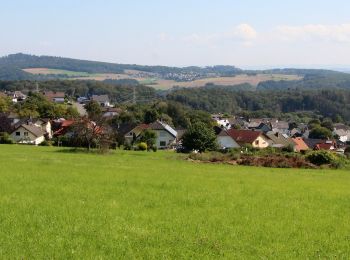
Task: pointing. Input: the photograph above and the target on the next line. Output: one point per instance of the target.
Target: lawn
(56, 204)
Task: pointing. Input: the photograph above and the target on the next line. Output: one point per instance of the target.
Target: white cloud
(243, 34)
(310, 32)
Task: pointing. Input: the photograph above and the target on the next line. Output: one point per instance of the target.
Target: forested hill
(11, 67)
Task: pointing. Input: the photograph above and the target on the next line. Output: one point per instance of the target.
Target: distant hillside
(30, 67)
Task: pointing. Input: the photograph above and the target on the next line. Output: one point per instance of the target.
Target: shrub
(142, 146)
(5, 138)
(154, 148)
(46, 143)
(321, 158)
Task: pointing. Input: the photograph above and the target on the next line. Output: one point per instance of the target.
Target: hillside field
(152, 81)
(59, 204)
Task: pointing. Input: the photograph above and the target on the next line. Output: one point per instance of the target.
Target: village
(231, 132)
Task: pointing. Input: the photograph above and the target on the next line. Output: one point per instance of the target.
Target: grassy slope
(150, 205)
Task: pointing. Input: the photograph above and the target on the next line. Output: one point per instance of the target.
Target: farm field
(152, 81)
(58, 204)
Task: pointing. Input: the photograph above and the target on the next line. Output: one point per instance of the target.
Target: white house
(166, 135)
(103, 100)
(28, 134)
(226, 141)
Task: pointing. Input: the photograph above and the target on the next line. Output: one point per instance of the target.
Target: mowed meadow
(59, 204)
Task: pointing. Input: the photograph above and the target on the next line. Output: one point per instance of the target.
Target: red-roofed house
(255, 138)
(300, 145)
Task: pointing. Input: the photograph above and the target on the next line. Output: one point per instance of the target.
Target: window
(257, 142)
(162, 143)
(18, 133)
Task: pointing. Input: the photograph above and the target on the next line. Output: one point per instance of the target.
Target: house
(111, 111)
(56, 97)
(103, 100)
(166, 135)
(281, 127)
(42, 123)
(279, 140)
(61, 127)
(28, 134)
(257, 139)
(225, 141)
(320, 144)
(16, 96)
(343, 135)
(131, 132)
(300, 145)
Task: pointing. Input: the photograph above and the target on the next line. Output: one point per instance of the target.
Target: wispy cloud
(310, 32)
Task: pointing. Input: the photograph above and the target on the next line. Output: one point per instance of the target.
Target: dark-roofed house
(248, 137)
(103, 100)
(225, 141)
(278, 140)
(28, 134)
(166, 135)
(57, 97)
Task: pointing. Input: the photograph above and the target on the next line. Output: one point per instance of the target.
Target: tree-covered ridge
(328, 103)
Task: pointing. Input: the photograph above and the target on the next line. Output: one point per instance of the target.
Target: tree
(328, 123)
(320, 133)
(93, 109)
(5, 104)
(199, 137)
(89, 134)
(149, 137)
(151, 115)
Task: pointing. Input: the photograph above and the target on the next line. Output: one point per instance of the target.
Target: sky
(244, 33)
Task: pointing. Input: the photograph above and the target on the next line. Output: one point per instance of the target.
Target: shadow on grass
(83, 151)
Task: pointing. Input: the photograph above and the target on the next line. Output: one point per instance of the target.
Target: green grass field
(56, 204)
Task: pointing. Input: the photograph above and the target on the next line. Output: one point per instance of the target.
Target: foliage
(93, 109)
(149, 137)
(320, 133)
(142, 146)
(5, 138)
(199, 137)
(321, 157)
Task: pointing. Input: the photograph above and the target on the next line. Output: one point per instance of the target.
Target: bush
(46, 143)
(142, 146)
(5, 138)
(154, 148)
(321, 158)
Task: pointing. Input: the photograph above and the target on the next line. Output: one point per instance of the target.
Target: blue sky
(246, 33)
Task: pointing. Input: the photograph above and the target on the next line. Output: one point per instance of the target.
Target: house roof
(157, 125)
(279, 139)
(339, 126)
(52, 94)
(36, 131)
(100, 98)
(300, 144)
(324, 146)
(244, 136)
(312, 143)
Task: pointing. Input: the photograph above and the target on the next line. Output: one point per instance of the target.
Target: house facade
(256, 139)
(28, 134)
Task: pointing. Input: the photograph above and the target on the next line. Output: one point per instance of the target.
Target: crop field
(152, 81)
(59, 204)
